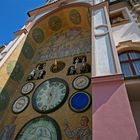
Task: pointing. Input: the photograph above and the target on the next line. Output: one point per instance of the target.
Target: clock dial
(20, 104)
(40, 128)
(50, 95)
(81, 82)
(80, 101)
(27, 88)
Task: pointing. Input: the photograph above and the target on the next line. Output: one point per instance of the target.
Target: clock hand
(50, 96)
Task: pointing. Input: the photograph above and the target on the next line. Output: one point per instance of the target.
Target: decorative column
(111, 114)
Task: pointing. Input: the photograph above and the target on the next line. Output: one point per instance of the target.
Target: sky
(13, 15)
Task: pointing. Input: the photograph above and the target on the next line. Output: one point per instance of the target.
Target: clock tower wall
(57, 49)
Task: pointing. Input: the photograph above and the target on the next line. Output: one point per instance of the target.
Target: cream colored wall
(125, 32)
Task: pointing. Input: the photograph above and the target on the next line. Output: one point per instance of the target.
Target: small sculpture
(37, 73)
(83, 66)
(72, 70)
(80, 66)
(76, 63)
(31, 74)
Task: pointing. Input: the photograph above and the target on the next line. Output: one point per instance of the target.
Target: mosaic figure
(28, 51)
(15, 70)
(75, 16)
(83, 132)
(38, 35)
(55, 23)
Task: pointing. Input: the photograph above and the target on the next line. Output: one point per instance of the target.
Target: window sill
(132, 77)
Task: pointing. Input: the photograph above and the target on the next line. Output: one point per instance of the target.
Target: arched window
(130, 63)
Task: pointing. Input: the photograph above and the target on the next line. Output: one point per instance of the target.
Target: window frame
(130, 62)
(123, 13)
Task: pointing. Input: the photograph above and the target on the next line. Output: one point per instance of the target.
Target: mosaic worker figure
(83, 132)
(83, 66)
(31, 74)
(72, 70)
(77, 68)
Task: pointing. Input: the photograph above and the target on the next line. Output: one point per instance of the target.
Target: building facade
(72, 73)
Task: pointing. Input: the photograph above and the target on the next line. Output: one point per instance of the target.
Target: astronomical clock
(53, 96)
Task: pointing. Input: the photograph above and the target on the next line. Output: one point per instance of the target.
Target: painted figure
(7, 132)
(83, 132)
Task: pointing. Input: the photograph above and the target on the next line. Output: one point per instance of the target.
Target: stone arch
(127, 46)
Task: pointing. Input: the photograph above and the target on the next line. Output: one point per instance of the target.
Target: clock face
(50, 95)
(81, 82)
(80, 101)
(41, 128)
(27, 88)
(20, 104)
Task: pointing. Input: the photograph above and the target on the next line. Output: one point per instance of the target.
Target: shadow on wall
(104, 95)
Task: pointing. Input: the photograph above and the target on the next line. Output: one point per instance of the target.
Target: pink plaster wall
(112, 116)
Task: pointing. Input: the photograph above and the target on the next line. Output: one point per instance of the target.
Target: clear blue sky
(13, 15)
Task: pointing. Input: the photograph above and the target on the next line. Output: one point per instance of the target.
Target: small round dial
(20, 104)
(80, 101)
(27, 88)
(81, 82)
(40, 128)
(50, 95)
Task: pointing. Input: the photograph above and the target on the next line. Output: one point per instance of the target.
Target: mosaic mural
(68, 43)
(82, 132)
(15, 70)
(28, 51)
(55, 23)
(4, 99)
(38, 35)
(75, 16)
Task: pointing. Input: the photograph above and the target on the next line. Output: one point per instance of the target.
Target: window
(130, 63)
(113, 1)
(119, 17)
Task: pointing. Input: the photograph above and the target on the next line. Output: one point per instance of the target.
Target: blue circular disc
(80, 101)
